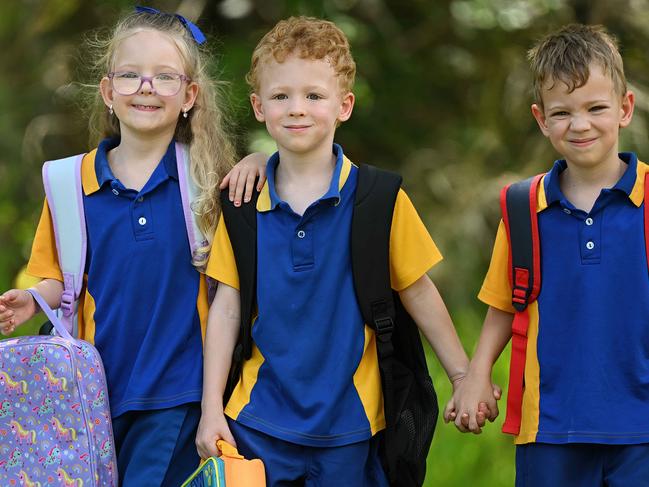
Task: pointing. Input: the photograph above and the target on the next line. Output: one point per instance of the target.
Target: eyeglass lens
(164, 84)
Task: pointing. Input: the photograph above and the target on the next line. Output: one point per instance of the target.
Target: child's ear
(537, 111)
(626, 108)
(191, 92)
(106, 91)
(257, 107)
(346, 107)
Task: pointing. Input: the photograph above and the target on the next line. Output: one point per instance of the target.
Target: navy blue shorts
(157, 448)
(291, 465)
(582, 465)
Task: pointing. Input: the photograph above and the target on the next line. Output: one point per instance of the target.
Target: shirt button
(301, 234)
(567, 211)
(589, 221)
(115, 192)
(141, 199)
(590, 245)
(142, 221)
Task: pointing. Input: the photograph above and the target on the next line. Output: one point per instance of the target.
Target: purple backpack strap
(188, 192)
(62, 182)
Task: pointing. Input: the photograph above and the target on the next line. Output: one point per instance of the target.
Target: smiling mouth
(583, 141)
(146, 107)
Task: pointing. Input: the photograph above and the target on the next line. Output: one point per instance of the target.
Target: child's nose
(147, 87)
(580, 122)
(296, 108)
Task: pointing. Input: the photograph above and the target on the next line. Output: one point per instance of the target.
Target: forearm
(496, 332)
(220, 339)
(51, 290)
(425, 305)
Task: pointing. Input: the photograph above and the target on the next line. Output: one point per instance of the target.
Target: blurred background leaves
(443, 95)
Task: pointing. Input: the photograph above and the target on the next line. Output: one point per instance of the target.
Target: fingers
(449, 411)
(233, 184)
(242, 182)
(227, 436)
(225, 181)
(462, 423)
(206, 449)
(7, 315)
(250, 186)
(474, 425)
(480, 419)
(262, 178)
(489, 409)
(498, 392)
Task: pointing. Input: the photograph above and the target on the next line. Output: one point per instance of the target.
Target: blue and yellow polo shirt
(313, 377)
(144, 304)
(587, 366)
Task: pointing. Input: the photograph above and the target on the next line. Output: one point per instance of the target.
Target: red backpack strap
(518, 204)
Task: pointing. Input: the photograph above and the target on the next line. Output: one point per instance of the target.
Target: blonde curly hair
(308, 38)
(206, 130)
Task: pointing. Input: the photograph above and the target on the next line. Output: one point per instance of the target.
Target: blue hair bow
(193, 29)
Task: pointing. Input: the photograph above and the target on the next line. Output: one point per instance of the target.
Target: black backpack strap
(241, 223)
(376, 194)
(518, 204)
(410, 404)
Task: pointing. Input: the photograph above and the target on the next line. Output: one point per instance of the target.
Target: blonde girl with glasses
(145, 301)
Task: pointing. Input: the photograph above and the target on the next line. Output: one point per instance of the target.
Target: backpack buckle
(384, 325)
(67, 302)
(521, 289)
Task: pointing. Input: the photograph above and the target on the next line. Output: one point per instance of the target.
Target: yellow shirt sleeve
(44, 259)
(496, 290)
(221, 265)
(412, 250)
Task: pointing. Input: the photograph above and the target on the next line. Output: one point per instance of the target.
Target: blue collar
(333, 193)
(168, 167)
(553, 193)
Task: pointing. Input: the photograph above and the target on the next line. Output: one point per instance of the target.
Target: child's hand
(241, 178)
(474, 400)
(212, 427)
(16, 307)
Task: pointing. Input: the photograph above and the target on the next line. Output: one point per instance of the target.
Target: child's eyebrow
(160, 68)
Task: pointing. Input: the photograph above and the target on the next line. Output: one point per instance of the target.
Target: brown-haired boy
(309, 401)
(584, 418)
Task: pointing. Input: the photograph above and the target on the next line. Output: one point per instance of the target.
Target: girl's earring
(185, 113)
(110, 109)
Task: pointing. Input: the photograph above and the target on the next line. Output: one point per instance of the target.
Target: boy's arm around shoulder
(222, 331)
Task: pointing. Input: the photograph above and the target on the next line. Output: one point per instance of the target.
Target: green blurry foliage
(443, 96)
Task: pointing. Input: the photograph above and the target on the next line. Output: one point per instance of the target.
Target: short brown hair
(566, 55)
(308, 38)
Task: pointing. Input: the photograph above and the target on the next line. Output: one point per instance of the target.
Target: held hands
(241, 178)
(474, 401)
(16, 307)
(211, 428)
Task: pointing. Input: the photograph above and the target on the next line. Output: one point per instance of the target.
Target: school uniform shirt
(313, 377)
(587, 363)
(144, 303)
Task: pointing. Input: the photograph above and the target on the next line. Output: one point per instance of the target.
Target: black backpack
(410, 401)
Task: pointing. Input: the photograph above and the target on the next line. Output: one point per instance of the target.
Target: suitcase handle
(56, 322)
